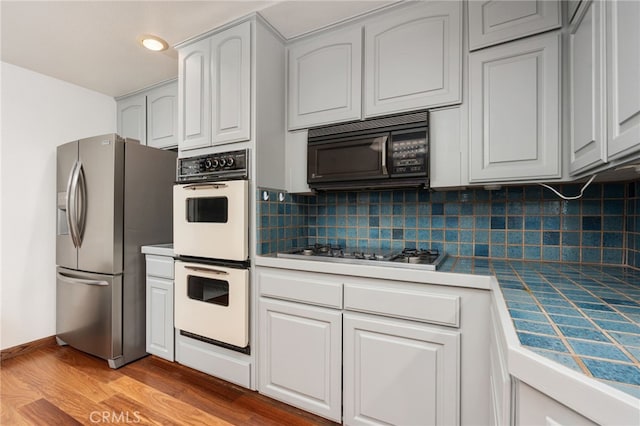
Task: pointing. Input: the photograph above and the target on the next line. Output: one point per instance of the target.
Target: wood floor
(62, 386)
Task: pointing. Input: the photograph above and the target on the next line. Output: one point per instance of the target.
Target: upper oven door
(361, 158)
(211, 220)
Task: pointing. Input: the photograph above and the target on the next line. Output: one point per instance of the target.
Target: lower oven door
(210, 220)
(212, 302)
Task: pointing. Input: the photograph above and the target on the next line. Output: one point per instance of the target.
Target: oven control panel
(213, 167)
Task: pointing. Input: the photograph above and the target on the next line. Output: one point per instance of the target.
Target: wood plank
(72, 403)
(9, 415)
(94, 367)
(15, 392)
(175, 409)
(69, 379)
(275, 413)
(207, 393)
(161, 391)
(42, 412)
(136, 412)
(25, 348)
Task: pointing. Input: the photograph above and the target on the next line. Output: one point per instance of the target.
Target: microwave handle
(384, 155)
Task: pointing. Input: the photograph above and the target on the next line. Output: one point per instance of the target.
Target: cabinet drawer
(402, 302)
(300, 287)
(160, 266)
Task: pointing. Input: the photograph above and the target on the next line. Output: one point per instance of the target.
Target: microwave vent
(372, 124)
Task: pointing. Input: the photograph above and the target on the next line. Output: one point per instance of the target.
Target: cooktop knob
(207, 163)
(230, 161)
(214, 163)
(223, 162)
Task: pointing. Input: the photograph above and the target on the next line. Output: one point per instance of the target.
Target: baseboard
(25, 348)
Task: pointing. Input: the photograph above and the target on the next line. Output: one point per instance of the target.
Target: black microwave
(390, 152)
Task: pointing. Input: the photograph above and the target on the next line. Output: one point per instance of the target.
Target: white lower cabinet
(399, 372)
(534, 408)
(373, 351)
(300, 360)
(160, 331)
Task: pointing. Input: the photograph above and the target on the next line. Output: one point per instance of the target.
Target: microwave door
(347, 160)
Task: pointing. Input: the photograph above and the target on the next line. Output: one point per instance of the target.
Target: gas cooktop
(408, 258)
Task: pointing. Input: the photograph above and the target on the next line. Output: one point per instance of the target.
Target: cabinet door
(160, 333)
(132, 118)
(413, 58)
(162, 116)
(515, 111)
(493, 22)
(194, 106)
(535, 409)
(300, 356)
(399, 372)
(587, 88)
(231, 85)
(623, 81)
(324, 79)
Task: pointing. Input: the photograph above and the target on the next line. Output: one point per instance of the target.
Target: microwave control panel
(213, 167)
(409, 154)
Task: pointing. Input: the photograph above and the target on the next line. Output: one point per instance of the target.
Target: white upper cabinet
(515, 111)
(231, 80)
(162, 116)
(194, 94)
(413, 58)
(623, 77)
(132, 118)
(493, 22)
(215, 89)
(586, 67)
(325, 79)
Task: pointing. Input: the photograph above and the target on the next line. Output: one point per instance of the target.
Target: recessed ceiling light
(154, 43)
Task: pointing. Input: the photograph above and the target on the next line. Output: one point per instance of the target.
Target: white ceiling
(94, 44)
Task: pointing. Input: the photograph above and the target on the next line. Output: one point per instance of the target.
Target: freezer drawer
(89, 313)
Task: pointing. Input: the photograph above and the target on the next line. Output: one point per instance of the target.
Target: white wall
(38, 113)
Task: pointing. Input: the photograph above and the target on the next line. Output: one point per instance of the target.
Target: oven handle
(195, 186)
(200, 269)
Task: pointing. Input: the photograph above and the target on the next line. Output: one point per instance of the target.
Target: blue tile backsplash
(523, 222)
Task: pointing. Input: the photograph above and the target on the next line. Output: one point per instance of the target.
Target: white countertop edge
(591, 398)
(158, 249)
(481, 282)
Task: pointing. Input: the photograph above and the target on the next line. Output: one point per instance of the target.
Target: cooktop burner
(428, 259)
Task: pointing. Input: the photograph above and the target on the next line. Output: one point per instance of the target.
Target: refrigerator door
(89, 313)
(101, 199)
(66, 159)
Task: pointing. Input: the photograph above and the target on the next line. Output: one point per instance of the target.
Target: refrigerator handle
(74, 280)
(71, 205)
(81, 217)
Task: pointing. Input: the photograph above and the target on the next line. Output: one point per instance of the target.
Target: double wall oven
(211, 242)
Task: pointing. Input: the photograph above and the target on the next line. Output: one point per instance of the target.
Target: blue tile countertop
(586, 317)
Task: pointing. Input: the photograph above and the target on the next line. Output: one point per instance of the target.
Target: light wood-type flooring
(62, 386)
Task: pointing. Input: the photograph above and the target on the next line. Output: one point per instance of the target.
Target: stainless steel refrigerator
(113, 196)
